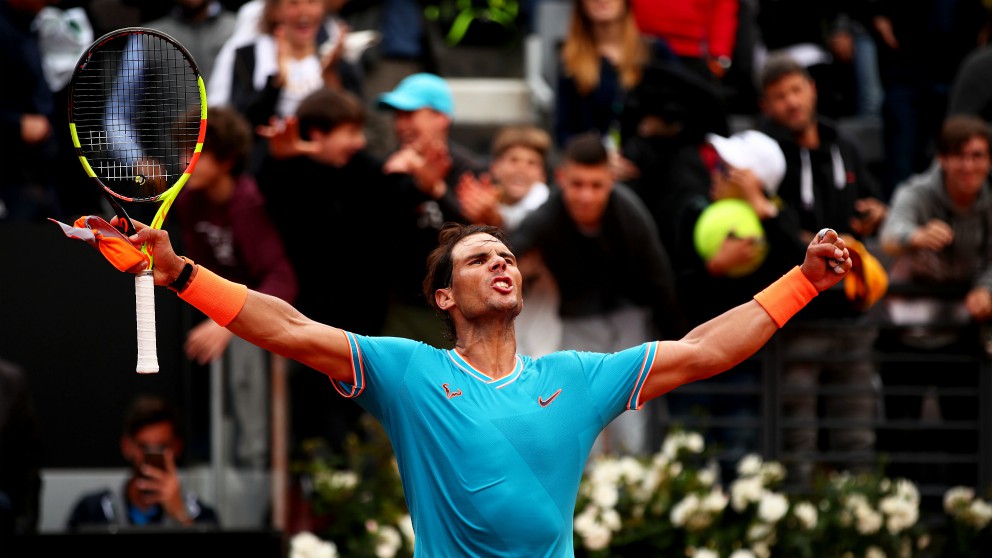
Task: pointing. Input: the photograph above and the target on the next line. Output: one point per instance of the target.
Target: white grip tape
(144, 298)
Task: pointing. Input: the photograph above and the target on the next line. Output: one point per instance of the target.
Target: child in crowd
(515, 186)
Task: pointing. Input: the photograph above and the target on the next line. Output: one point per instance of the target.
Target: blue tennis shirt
(491, 467)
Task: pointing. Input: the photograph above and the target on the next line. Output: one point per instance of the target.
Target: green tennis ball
(725, 217)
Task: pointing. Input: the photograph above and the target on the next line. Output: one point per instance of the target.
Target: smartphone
(155, 457)
(152, 457)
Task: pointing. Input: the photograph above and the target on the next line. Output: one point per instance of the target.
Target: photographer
(152, 494)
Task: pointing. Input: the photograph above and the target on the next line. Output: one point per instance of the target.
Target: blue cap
(419, 91)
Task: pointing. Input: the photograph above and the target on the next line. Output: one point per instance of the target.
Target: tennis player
(491, 444)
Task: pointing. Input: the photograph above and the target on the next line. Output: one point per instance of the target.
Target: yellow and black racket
(137, 115)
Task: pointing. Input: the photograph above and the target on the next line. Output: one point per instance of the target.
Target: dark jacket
(106, 507)
(837, 179)
(623, 263)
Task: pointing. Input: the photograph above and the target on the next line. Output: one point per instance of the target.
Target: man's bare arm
(730, 338)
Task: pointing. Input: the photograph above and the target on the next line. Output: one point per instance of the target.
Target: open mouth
(503, 284)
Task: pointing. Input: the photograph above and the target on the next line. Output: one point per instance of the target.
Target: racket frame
(144, 284)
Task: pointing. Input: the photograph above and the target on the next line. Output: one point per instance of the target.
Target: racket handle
(144, 298)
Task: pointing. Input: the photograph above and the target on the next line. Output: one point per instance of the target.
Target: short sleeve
(375, 362)
(616, 380)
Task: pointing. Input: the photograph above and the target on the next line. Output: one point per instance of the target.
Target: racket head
(137, 115)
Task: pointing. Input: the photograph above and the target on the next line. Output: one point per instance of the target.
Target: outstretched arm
(263, 320)
(728, 339)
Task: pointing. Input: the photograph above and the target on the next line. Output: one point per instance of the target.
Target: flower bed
(669, 504)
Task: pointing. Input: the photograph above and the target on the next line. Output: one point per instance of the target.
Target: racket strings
(136, 108)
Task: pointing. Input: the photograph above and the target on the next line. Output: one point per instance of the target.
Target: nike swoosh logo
(545, 402)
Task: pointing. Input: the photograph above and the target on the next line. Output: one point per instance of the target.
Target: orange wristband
(787, 296)
(221, 300)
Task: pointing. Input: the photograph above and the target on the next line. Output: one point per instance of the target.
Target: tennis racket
(137, 116)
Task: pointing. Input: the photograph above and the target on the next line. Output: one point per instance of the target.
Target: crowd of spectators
(654, 84)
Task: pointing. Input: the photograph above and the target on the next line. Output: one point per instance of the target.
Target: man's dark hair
(779, 66)
(146, 410)
(586, 149)
(958, 130)
(440, 265)
(228, 137)
(326, 109)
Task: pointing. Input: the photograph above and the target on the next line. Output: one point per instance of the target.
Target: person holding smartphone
(152, 494)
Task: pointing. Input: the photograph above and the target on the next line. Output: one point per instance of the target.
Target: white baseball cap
(755, 151)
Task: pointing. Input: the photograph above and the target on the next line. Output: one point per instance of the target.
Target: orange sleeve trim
(787, 296)
(218, 298)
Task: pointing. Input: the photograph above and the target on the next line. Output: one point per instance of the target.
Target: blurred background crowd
(706, 142)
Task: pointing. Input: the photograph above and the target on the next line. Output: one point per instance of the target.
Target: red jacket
(693, 28)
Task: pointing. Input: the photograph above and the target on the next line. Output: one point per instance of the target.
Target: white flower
(868, 521)
(806, 513)
(901, 513)
(761, 549)
(630, 469)
(337, 480)
(772, 472)
(611, 518)
(707, 476)
(744, 491)
(907, 491)
(605, 495)
(874, 552)
(749, 465)
(715, 501)
(689, 513)
(597, 537)
(683, 509)
(958, 497)
(759, 532)
(585, 521)
(307, 545)
(676, 441)
(388, 541)
(772, 507)
(605, 471)
(980, 512)
(742, 553)
(855, 501)
(705, 553)
(649, 483)
(345, 479)
(405, 525)
(694, 442)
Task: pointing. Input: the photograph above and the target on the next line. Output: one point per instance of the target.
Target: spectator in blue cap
(423, 108)
(422, 105)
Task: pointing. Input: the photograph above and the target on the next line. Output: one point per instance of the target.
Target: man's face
(966, 170)
(485, 280)
(586, 191)
(791, 102)
(516, 170)
(421, 124)
(337, 147)
(159, 435)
